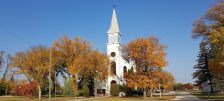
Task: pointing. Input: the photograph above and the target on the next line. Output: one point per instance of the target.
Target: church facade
(119, 66)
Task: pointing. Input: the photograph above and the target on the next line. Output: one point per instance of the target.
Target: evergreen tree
(67, 89)
(202, 73)
(1, 58)
(85, 89)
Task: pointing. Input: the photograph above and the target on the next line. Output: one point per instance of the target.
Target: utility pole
(55, 78)
(50, 82)
(160, 91)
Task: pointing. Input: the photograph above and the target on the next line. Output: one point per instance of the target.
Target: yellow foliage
(94, 64)
(149, 57)
(70, 50)
(216, 35)
(146, 52)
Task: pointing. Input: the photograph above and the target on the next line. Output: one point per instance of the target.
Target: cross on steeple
(114, 6)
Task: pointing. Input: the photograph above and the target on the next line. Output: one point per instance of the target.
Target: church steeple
(114, 28)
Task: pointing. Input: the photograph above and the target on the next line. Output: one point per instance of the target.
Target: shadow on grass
(133, 98)
(35, 98)
(211, 96)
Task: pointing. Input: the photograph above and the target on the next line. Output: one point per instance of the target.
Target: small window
(113, 54)
(113, 68)
(125, 71)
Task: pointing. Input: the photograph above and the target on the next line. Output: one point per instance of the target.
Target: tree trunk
(144, 93)
(6, 91)
(53, 84)
(160, 91)
(150, 93)
(27, 77)
(95, 88)
(211, 88)
(75, 85)
(39, 91)
(212, 91)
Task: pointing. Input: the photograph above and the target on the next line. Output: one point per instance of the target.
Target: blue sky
(26, 23)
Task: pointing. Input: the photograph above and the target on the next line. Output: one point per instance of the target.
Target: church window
(113, 68)
(113, 82)
(116, 39)
(125, 71)
(113, 54)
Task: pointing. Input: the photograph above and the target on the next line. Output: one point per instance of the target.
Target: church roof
(114, 28)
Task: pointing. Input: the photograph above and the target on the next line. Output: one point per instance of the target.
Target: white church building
(119, 66)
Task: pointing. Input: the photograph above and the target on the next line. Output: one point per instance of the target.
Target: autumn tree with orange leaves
(68, 51)
(81, 60)
(210, 28)
(33, 63)
(74, 57)
(149, 57)
(92, 66)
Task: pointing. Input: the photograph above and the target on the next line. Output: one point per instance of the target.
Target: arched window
(112, 54)
(125, 71)
(113, 82)
(113, 68)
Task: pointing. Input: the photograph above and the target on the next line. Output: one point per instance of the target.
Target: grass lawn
(211, 97)
(166, 97)
(23, 98)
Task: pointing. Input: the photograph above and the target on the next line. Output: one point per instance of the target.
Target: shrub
(115, 89)
(27, 89)
(67, 89)
(132, 91)
(85, 90)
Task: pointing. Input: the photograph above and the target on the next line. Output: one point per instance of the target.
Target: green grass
(211, 97)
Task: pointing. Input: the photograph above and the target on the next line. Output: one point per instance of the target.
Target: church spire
(114, 28)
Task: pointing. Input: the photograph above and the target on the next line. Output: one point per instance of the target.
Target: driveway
(185, 96)
(180, 96)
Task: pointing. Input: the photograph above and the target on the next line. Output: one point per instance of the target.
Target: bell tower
(114, 53)
(119, 66)
(114, 39)
(114, 34)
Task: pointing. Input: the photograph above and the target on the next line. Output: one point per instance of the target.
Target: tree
(1, 58)
(26, 89)
(115, 89)
(34, 63)
(212, 20)
(178, 87)
(12, 85)
(68, 51)
(166, 80)
(92, 66)
(210, 28)
(7, 67)
(149, 57)
(188, 86)
(67, 88)
(5, 84)
(202, 73)
(85, 89)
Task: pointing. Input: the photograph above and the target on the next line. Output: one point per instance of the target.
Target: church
(119, 66)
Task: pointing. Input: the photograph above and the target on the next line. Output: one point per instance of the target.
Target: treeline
(75, 60)
(184, 87)
(84, 69)
(210, 62)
